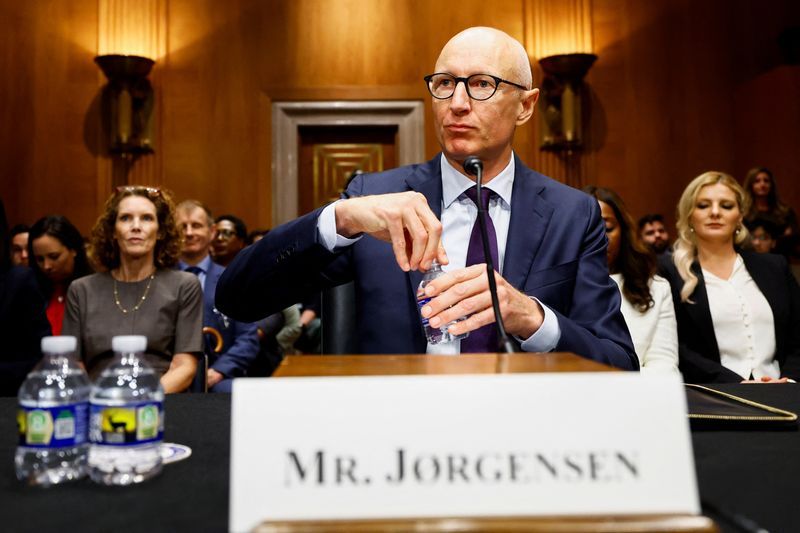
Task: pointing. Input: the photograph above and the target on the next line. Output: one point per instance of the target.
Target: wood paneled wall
(680, 87)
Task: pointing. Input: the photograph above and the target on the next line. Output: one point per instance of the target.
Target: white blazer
(654, 332)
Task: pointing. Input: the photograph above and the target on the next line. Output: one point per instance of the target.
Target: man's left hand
(465, 292)
(213, 377)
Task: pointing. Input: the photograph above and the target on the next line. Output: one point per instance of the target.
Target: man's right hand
(403, 219)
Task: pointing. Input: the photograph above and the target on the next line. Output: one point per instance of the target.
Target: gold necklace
(141, 301)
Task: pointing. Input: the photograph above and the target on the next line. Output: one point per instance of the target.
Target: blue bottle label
(62, 426)
(127, 425)
(422, 302)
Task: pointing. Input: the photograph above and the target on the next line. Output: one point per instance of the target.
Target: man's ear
(213, 231)
(526, 106)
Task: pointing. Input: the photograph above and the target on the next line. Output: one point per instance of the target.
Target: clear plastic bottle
(53, 417)
(126, 424)
(441, 334)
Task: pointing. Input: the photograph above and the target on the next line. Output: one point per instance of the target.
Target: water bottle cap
(129, 343)
(60, 344)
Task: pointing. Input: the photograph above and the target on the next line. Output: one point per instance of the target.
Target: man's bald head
(482, 127)
(511, 57)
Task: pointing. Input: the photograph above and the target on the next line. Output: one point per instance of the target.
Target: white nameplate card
(459, 446)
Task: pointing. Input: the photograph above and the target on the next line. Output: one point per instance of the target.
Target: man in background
(230, 239)
(240, 340)
(654, 233)
(19, 245)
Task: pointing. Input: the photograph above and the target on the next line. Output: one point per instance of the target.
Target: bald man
(555, 292)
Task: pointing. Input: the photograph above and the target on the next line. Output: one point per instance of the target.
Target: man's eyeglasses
(479, 86)
(152, 192)
(224, 234)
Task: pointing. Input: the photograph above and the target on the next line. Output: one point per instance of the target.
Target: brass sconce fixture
(562, 106)
(127, 104)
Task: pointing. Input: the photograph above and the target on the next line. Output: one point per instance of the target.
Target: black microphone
(474, 167)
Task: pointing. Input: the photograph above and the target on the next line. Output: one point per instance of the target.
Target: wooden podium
(374, 365)
(387, 365)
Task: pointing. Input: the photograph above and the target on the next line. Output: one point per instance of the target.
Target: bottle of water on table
(442, 333)
(53, 417)
(126, 417)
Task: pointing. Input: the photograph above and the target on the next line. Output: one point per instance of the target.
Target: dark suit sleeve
(284, 267)
(23, 323)
(791, 363)
(594, 326)
(236, 360)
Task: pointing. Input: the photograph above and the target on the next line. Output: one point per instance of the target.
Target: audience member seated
(240, 340)
(256, 235)
(654, 233)
(763, 191)
(19, 245)
(764, 234)
(310, 340)
(137, 242)
(738, 312)
(646, 298)
(278, 333)
(291, 329)
(58, 258)
(230, 240)
(23, 322)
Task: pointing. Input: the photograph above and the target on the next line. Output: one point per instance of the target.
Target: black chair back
(339, 320)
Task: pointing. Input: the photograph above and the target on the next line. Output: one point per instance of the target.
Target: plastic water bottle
(441, 334)
(126, 424)
(53, 417)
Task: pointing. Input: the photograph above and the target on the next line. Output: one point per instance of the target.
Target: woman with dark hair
(23, 322)
(764, 202)
(646, 299)
(137, 242)
(738, 312)
(58, 257)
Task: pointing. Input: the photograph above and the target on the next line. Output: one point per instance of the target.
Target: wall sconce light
(127, 104)
(562, 101)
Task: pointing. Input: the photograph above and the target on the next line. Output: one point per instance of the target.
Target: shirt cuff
(326, 228)
(546, 338)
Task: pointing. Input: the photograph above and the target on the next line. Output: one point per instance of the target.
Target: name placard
(467, 446)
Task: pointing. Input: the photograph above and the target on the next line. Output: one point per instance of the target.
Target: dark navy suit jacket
(555, 251)
(698, 351)
(240, 339)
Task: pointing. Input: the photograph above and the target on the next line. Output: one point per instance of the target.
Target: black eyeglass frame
(498, 80)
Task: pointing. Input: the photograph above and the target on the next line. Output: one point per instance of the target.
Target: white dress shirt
(458, 216)
(654, 331)
(743, 323)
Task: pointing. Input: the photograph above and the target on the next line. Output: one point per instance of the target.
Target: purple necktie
(483, 339)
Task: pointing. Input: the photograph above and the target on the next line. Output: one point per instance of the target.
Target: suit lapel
(427, 180)
(762, 277)
(700, 312)
(769, 285)
(530, 215)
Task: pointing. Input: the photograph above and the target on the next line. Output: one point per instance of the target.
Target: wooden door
(328, 156)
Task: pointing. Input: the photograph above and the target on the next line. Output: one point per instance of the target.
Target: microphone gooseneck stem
(503, 339)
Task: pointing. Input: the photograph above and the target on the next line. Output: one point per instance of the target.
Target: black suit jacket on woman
(699, 358)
